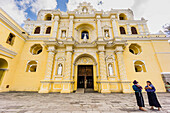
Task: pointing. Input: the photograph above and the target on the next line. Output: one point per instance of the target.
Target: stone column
(140, 29)
(55, 27)
(70, 32)
(114, 25)
(45, 84)
(145, 29)
(67, 85)
(129, 29)
(99, 26)
(42, 31)
(105, 87)
(122, 71)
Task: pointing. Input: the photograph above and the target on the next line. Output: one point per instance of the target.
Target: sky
(155, 11)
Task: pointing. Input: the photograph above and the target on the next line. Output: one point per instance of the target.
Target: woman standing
(153, 101)
(138, 92)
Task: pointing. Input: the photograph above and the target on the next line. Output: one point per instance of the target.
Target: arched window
(122, 17)
(139, 66)
(10, 39)
(48, 30)
(122, 30)
(31, 66)
(36, 49)
(84, 33)
(135, 49)
(3, 68)
(37, 30)
(133, 30)
(48, 17)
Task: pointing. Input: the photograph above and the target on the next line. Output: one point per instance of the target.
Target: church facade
(84, 48)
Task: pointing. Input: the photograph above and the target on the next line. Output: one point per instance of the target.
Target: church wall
(10, 53)
(30, 81)
(153, 70)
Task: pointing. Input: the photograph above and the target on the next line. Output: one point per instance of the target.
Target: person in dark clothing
(153, 101)
(138, 93)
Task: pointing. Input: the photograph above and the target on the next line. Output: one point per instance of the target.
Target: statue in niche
(85, 38)
(64, 34)
(59, 72)
(106, 34)
(110, 70)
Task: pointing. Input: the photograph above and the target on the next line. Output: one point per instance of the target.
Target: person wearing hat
(138, 93)
(153, 101)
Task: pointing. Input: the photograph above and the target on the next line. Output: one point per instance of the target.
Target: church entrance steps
(80, 90)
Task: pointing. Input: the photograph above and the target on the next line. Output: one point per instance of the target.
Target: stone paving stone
(76, 103)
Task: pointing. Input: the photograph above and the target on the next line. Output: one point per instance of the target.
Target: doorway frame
(92, 74)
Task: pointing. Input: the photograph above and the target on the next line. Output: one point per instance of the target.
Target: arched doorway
(3, 68)
(85, 72)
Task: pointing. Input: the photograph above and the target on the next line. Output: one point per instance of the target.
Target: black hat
(135, 82)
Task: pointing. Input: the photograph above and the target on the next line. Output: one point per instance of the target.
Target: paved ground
(76, 103)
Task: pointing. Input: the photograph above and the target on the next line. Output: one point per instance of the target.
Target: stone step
(80, 90)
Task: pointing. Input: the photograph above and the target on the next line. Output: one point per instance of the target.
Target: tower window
(10, 39)
(133, 30)
(48, 30)
(31, 66)
(48, 17)
(122, 30)
(106, 33)
(85, 34)
(36, 49)
(139, 66)
(63, 33)
(135, 49)
(37, 30)
(122, 17)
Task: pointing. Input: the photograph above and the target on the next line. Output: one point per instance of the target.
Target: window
(31, 66)
(122, 30)
(37, 30)
(122, 17)
(36, 49)
(106, 33)
(63, 33)
(48, 17)
(3, 68)
(85, 10)
(48, 30)
(10, 39)
(85, 34)
(139, 66)
(135, 49)
(133, 30)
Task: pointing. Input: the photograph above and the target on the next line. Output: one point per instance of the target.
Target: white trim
(162, 52)
(6, 55)
(165, 73)
(11, 31)
(7, 50)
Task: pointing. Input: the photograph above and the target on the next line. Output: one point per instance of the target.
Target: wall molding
(6, 50)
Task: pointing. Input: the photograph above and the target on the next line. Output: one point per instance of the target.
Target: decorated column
(140, 29)
(55, 27)
(104, 83)
(122, 72)
(114, 24)
(45, 84)
(42, 31)
(129, 29)
(67, 85)
(70, 32)
(146, 29)
(99, 26)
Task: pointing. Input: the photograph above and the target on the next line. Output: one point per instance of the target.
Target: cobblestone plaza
(76, 103)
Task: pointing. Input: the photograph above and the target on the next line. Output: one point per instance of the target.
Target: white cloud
(43, 4)
(19, 14)
(155, 11)
(11, 8)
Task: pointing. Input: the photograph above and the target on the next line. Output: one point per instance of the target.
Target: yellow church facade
(81, 49)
